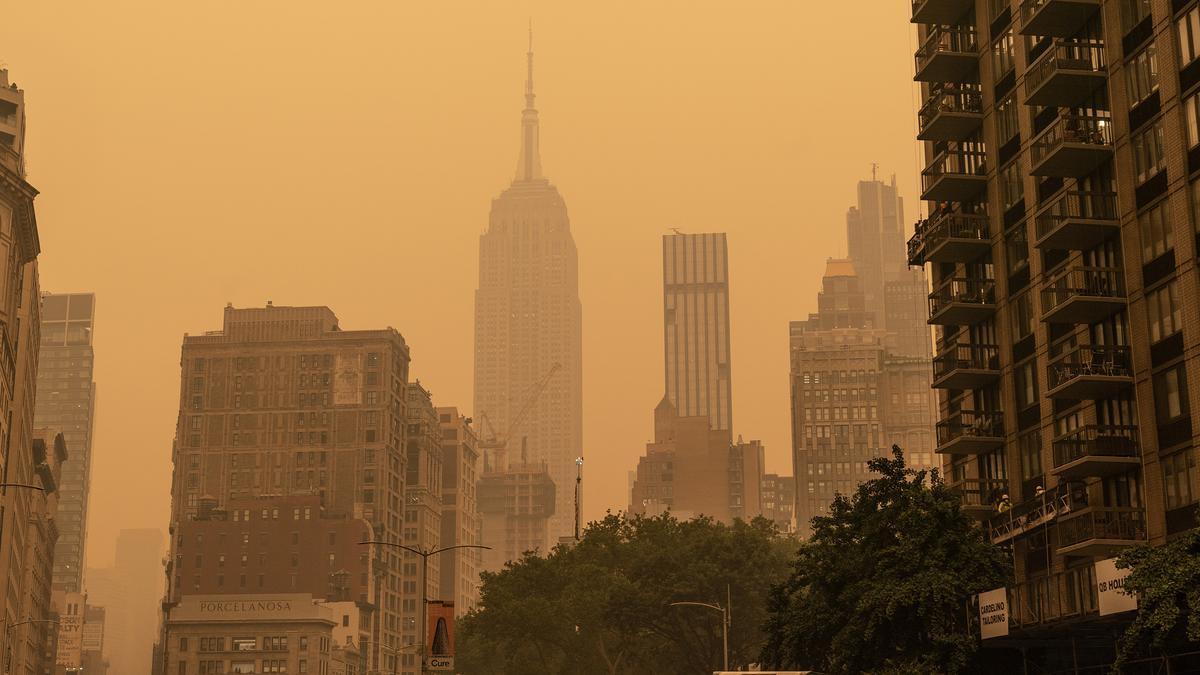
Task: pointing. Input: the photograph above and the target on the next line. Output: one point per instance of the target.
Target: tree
(882, 584)
(603, 605)
(1166, 580)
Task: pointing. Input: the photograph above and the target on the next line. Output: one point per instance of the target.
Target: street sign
(439, 663)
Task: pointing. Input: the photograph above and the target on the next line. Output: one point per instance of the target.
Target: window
(1007, 125)
(1170, 394)
(1157, 235)
(1188, 26)
(1179, 479)
(1191, 111)
(1141, 75)
(1132, 13)
(244, 644)
(1026, 380)
(1162, 308)
(1002, 54)
(183, 668)
(1148, 157)
(1021, 312)
(1016, 248)
(1011, 190)
(1030, 447)
(183, 644)
(238, 667)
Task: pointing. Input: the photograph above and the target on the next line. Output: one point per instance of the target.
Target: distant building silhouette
(528, 318)
(130, 592)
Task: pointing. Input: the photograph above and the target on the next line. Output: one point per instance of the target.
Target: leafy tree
(882, 583)
(603, 605)
(1166, 580)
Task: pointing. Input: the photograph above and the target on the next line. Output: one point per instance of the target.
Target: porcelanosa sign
(233, 607)
(238, 606)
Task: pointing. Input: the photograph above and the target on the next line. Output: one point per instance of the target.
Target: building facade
(130, 592)
(422, 515)
(1061, 144)
(528, 321)
(283, 403)
(779, 501)
(67, 401)
(460, 510)
(30, 641)
(696, 342)
(516, 502)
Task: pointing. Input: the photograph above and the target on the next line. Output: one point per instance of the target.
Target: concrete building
(692, 469)
(696, 338)
(422, 515)
(282, 403)
(252, 633)
(528, 321)
(516, 502)
(92, 640)
(1061, 142)
(130, 592)
(460, 510)
(851, 398)
(779, 501)
(67, 401)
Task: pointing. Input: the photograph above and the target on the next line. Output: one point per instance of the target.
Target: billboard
(70, 629)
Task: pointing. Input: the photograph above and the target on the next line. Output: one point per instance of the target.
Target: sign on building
(1110, 589)
(347, 379)
(70, 629)
(993, 613)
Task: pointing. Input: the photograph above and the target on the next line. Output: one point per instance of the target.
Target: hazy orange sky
(345, 154)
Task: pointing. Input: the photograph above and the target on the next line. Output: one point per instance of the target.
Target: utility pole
(578, 494)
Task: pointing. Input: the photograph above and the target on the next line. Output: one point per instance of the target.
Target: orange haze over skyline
(194, 154)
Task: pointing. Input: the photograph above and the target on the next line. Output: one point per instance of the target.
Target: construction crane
(498, 445)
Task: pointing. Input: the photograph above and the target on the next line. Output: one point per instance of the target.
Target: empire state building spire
(530, 165)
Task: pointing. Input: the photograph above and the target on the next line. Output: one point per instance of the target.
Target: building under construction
(515, 505)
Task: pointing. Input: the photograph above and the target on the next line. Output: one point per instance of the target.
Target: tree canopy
(604, 604)
(882, 584)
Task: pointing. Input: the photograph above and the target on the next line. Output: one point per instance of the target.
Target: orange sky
(345, 154)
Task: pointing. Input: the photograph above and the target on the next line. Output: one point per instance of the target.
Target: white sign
(70, 629)
(347, 380)
(993, 613)
(439, 663)
(1110, 588)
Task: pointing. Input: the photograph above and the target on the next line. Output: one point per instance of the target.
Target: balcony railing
(1046, 599)
(1078, 220)
(981, 496)
(1072, 146)
(916, 244)
(1056, 18)
(966, 366)
(970, 432)
(9, 120)
(1081, 295)
(1100, 529)
(1066, 74)
(1089, 372)
(951, 114)
(962, 301)
(955, 175)
(949, 54)
(1096, 450)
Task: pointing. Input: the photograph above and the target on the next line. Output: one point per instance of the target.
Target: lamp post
(724, 621)
(425, 554)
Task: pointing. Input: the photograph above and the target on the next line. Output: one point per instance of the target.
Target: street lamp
(724, 620)
(425, 554)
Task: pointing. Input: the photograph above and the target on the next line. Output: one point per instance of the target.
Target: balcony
(955, 175)
(949, 54)
(956, 237)
(961, 302)
(952, 114)
(1083, 295)
(968, 432)
(940, 11)
(1098, 531)
(1090, 372)
(966, 367)
(979, 497)
(1078, 221)
(1066, 75)
(1044, 600)
(1072, 146)
(1095, 451)
(1037, 513)
(1056, 18)
(916, 244)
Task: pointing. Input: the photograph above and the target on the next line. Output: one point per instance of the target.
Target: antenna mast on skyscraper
(874, 169)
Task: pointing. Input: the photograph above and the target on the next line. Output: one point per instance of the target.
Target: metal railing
(964, 357)
(1077, 205)
(962, 290)
(1062, 595)
(1089, 360)
(1103, 522)
(950, 100)
(1065, 55)
(983, 424)
(1031, 514)
(954, 162)
(1096, 440)
(947, 40)
(1086, 282)
(1071, 128)
(980, 492)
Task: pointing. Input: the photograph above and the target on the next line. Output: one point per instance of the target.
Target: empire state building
(528, 326)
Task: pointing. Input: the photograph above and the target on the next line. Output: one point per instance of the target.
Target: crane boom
(527, 406)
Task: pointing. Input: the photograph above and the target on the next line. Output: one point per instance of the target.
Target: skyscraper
(696, 327)
(460, 510)
(130, 591)
(67, 401)
(528, 320)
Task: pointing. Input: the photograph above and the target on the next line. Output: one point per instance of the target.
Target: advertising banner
(993, 613)
(1110, 589)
